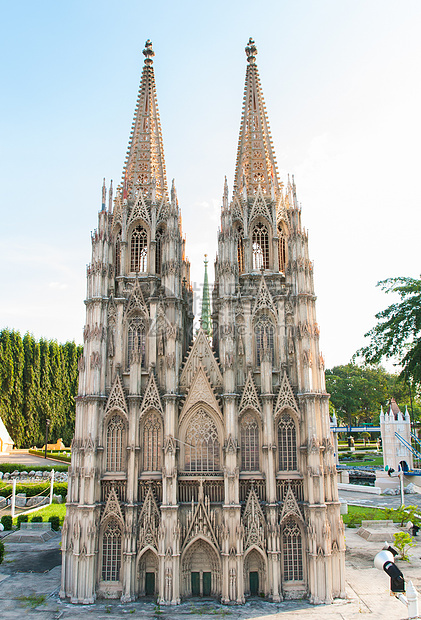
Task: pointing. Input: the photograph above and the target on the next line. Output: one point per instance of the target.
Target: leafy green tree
(398, 331)
(358, 392)
(38, 381)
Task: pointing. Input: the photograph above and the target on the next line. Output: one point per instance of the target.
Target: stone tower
(199, 469)
(395, 453)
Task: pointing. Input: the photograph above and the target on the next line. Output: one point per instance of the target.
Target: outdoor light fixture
(385, 560)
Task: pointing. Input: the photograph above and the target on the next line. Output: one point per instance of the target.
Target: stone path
(379, 501)
(23, 457)
(30, 582)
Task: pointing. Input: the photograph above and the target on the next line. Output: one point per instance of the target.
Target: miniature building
(395, 425)
(6, 442)
(202, 469)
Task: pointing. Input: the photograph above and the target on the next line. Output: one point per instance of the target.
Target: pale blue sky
(341, 81)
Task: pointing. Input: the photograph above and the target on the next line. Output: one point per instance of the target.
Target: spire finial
(251, 51)
(148, 52)
(205, 320)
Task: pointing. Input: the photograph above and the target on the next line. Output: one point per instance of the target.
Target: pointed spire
(256, 163)
(110, 198)
(225, 196)
(104, 195)
(206, 310)
(144, 169)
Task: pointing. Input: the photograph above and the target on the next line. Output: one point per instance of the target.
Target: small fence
(15, 510)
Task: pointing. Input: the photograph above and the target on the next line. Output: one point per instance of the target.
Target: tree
(358, 392)
(398, 331)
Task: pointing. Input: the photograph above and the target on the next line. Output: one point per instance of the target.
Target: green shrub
(55, 523)
(1, 551)
(36, 519)
(59, 488)
(22, 519)
(403, 541)
(11, 467)
(7, 522)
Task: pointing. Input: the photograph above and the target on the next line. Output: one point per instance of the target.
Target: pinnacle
(148, 52)
(144, 169)
(251, 51)
(256, 163)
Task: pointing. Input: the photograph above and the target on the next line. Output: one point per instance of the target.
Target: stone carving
(264, 299)
(112, 507)
(116, 399)
(250, 398)
(201, 354)
(149, 520)
(254, 522)
(200, 392)
(151, 399)
(286, 398)
(290, 506)
(136, 303)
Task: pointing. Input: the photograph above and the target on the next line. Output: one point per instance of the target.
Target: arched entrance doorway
(148, 573)
(201, 570)
(254, 573)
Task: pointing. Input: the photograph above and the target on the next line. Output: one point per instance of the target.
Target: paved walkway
(30, 581)
(23, 457)
(379, 501)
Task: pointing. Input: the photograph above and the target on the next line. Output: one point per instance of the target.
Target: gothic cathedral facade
(201, 468)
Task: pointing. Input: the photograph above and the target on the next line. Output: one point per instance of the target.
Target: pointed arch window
(152, 440)
(118, 254)
(264, 337)
(111, 551)
(287, 443)
(240, 249)
(282, 250)
(249, 444)
(292, 550)
(202, 449)
(260, 246)
(158, 250)
(136, 341)
(139, 250)
(116, 440)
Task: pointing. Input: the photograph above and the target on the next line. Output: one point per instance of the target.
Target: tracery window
(240, 250)
(111, 551)
(264, 337)
(151, 442)
(202, 449)
(249, 444)
(260, 246)
(118, 255)
(139, 250)
(136, 340)
(282, 250)
(158, 251)
(116, 430)
(292, 549)
(287, 443)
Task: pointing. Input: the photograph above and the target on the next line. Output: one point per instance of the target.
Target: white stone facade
(393, 423)
(202, 469)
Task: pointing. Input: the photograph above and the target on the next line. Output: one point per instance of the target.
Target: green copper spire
(205, 320)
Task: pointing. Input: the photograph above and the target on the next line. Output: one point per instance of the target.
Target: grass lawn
(356, 514)
(53, 510)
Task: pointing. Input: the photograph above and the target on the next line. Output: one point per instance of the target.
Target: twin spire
(144, 170)
(256, 163)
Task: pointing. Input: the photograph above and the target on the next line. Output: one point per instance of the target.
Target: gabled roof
(201, 354)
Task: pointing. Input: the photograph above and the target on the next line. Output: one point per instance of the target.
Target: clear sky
(341, 81)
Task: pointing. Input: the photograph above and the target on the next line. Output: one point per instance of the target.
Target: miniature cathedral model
(199, 468)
